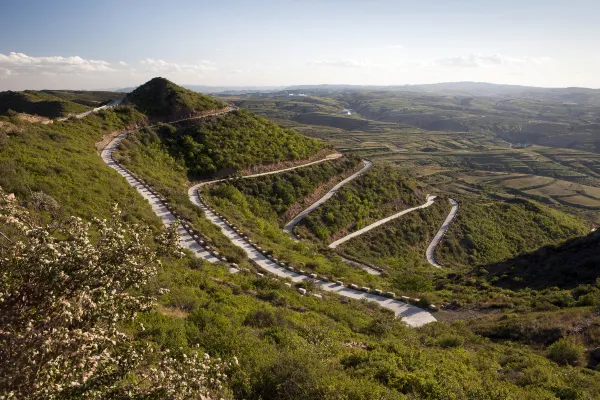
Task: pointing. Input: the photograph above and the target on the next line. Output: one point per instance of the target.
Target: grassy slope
(60, 160)
(379, 193)
(38, 103)
(162, 98)
(148, 156)
(490, 231)
(144, 154)
(567, 265)
(89, 98)
(277, 193)
(399, 245)
(294, 347)
(233, 142)
(331, 348)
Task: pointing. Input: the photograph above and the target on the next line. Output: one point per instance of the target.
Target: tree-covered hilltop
(161, 98)
(38, 103)
(228, 143)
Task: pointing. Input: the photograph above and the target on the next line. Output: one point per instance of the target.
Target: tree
(66, 290)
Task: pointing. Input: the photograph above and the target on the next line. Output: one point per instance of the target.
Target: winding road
(185, 238)
(333, 245)
(326, 158)
(411, 315)
(430, 253)
(113, 103)
(289, 227)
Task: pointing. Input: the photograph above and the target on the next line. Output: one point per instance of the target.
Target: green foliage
(38, 103)
(566, 351)
(60, 160)
(162, 98)
(540, 329)
(485, 232)
(398, 247)
(280, 191)
(450, 340)
(379, 193)
(291, 346)
(234, 141)
(308, 349)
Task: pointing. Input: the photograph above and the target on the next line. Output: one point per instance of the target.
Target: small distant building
(347, 112)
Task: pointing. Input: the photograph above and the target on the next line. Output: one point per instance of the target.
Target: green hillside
(379, 193)
(89, 98)
(486, 232)
(276, 343)
(160, 97)
(38, 103)
(288, 193)
(61, 161)
(229, 143)
(567, 265)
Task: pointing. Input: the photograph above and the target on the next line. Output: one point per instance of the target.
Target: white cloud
(123, 63)
(5, 73)
(19, 63)
(394, 46)
(154, 65)
(342, 63)
(477, 60)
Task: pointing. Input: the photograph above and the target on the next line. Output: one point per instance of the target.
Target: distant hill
(91, 98)
(161, 98)
(226, 90)
(566, 95)
(568, 265)
(38, 103)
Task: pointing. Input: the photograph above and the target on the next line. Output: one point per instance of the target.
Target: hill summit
(161, 98)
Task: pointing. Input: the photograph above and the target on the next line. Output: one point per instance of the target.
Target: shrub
(380, 326)
(64, 298)
(450, 340)
(590, 299)
(260, 319)
(566, 351)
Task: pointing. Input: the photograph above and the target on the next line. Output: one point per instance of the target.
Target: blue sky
(109, 44)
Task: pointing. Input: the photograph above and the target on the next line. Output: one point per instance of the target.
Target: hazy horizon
(110, 45)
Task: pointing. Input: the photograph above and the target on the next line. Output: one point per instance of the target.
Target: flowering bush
(63, 299)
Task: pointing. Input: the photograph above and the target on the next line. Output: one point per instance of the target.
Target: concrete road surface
(430, 252)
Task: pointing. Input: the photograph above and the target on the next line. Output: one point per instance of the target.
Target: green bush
(450, 340)
(590, 299)
(566, 351)
(379, 193)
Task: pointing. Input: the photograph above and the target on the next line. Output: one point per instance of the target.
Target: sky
(110, 44)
